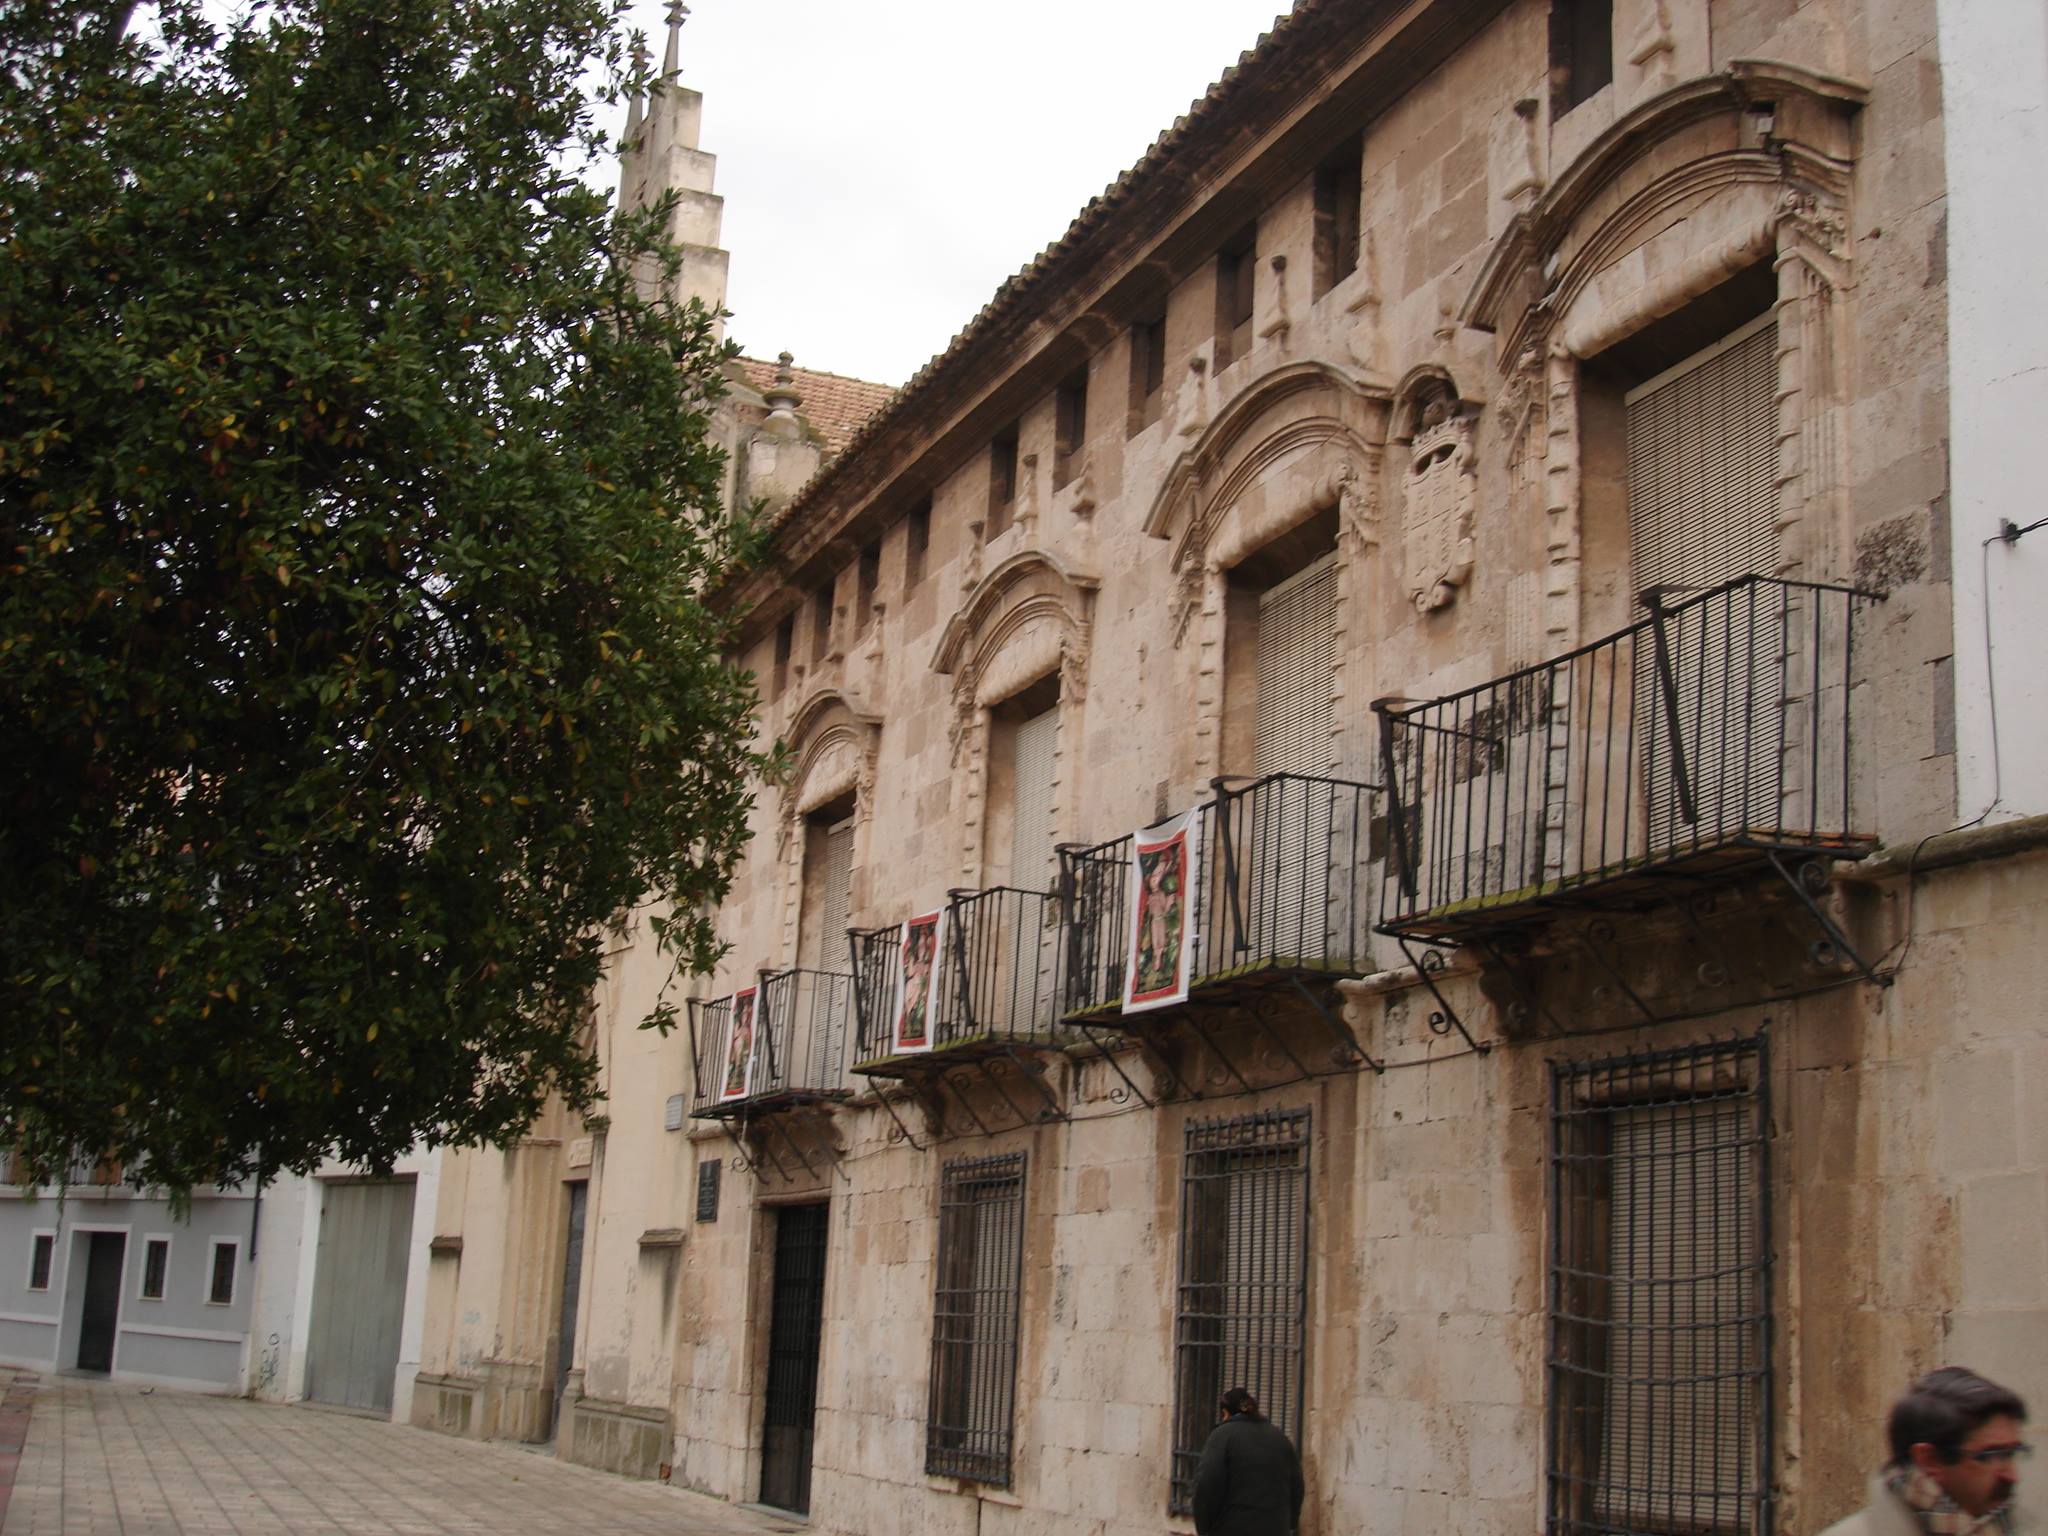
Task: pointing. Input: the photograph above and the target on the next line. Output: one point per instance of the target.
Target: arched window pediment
(1029, 587)
(1307, 408)
(1763, 129)
(833, 742)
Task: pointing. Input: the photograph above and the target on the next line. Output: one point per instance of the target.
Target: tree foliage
(354, 505)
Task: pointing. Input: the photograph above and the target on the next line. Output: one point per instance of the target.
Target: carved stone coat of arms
(1442, 495)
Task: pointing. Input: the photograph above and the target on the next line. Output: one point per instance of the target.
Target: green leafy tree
(354, 508)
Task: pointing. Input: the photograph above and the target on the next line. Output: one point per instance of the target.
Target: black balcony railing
(1710, 734)
(795, 1022)
(1280, 889)
(994, 984)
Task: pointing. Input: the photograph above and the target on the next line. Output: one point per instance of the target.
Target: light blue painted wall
(188, 1338)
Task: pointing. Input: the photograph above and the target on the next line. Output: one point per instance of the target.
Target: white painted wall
(282, 1321)
(1994, 56)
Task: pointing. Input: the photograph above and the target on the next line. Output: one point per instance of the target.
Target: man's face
(1981, 1479)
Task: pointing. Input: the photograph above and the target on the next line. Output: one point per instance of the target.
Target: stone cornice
(1323, 70)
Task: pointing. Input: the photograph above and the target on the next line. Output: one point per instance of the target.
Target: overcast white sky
(885, 165)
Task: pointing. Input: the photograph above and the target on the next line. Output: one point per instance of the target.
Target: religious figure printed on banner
(739, 1049)
(917, 973)
(1162, 938)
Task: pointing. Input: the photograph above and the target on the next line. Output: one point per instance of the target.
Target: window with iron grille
(1242, 1312)
(1660, 1383)
(972, 1411)
(220, 1277)
(156, 1264)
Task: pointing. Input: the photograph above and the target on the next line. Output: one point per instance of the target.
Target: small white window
(42, 1258)
(156, 1267)
(220, 1274)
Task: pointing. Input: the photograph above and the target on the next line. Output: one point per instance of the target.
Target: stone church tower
(778, 423)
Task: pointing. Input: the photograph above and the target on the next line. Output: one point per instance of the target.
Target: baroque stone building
(1412, 650)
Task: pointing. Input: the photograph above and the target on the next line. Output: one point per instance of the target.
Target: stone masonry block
(2005, 1241)
(1976, 1128)
(1506, 1453)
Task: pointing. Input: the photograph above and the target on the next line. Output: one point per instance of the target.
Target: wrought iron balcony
(1710, 737)
(991, 988)
(1280, 893)
(791, 1047)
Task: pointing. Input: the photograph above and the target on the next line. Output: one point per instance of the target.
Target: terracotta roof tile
(835, 405)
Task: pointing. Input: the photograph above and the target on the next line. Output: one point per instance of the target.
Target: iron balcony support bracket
(1525, 992)
(1216, 1050)
(1157, 1051)
(1258, 1017)
(1809, 882)
(738, 1127)
(1597, 937)
(950, 1077)
(983, 1065)
(1027, 1068)
(882, 1096)
(1109, 1055)
(1717, 970)
(1444, 1018)
(1346, 1041)
(775, 1123)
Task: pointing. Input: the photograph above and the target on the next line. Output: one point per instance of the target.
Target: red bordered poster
(920, 943)
(1164, 874)
(738, 1082)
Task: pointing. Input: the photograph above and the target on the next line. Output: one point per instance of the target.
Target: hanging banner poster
(917, 972)
(1164, 871)
(739, 1049)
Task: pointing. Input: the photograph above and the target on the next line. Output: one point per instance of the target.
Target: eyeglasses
(1998, 1455)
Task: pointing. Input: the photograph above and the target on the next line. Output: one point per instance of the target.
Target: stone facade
(1470, 258)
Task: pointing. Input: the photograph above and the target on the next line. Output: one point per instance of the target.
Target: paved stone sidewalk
(106, 1460)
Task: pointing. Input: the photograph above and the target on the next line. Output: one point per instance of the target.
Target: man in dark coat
(1248, 1482)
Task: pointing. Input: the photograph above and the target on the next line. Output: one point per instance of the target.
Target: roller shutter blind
(835, 898)
(826, 1024)
(1285, 868)
(1031, 831)
(1702, 507)
(1295, 672)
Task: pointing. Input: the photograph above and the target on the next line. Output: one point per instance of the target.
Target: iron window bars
(796, 1321)
(1279, 888)
(971, 1415)
(994, 986)
(800, 1023)
(1659, 1296)
(1710, 732)
(1241, 1313)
